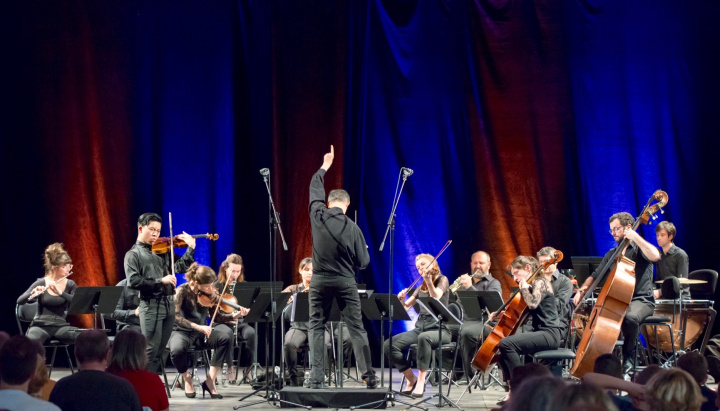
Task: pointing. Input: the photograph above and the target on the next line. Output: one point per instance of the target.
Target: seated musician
(53, 297)
(191, 329)
(425, 333)
(673, 259)
(562, 287)
(127, 311)
(473, 328)
(542, 307)
(232, 270)
(643, 254)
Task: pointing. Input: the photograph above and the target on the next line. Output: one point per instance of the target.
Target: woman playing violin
(55, 295)
(425, 334)
(190, 329)
(232, 270)
(540, 300)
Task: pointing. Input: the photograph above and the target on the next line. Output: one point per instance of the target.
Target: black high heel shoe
(213, 396)
(190, 394)
(409, 391)
(413, 395)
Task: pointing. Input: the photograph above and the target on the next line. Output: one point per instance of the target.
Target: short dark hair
(146, 218)
(91, 346)
(18, 360)
(338, 195)
(129, 353)
(625, 218)
(667, 226)
(696, 365)
(608, 364)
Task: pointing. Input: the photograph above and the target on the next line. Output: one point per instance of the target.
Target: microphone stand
(391, 395)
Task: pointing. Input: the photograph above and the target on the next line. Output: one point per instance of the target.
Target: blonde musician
(191, 329)
(546, 329)
(53, 294)
(425, 333)
(642, 305)
(232, 270)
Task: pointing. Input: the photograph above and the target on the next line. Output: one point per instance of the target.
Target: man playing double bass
(642, 305)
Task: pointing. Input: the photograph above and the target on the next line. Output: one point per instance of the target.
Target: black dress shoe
(318, 386)
(293, 382)
(413, 395)
(372, 382)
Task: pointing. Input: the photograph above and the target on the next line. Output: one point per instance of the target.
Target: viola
(162, 244)
(514, 313)
(603, 326)
(228, 302)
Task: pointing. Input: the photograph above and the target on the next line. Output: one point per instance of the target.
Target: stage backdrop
(527, 123)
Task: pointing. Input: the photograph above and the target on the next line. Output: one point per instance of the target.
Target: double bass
(603, 326)
(514, 315)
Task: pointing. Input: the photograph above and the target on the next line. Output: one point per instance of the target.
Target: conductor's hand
(328, 158)
(169, 279)
(205, 329)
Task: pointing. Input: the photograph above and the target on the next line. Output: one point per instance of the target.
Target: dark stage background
(528, 123)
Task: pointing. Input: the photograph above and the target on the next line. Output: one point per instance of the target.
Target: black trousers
(635, 314)
(295, 339)
(469, 341)
(220, 341)
(157, 317)
(512, 347)
(246, 334)
(425, 335)
(323, 291)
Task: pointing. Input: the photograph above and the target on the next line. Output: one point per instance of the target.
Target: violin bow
(433, 260)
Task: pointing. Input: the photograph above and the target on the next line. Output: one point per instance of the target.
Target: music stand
(94, 300)
(443, 316)
(376, 308)
(476, 305)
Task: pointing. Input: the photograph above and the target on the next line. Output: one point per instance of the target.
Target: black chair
(24, 314)
(196, 354)
(704, 291)
(560, 360)
(671, 291)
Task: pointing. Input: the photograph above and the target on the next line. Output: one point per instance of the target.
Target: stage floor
(477, 400)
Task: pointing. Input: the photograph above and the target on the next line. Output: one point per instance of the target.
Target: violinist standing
(150, 274)
(425, 333)
(54, 298)
(192, 306)
(338, 249)
(642, 305)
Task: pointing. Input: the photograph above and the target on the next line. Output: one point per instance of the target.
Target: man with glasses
(150, 274)
(642, 305)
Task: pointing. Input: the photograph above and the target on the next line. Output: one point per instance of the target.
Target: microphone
(265, 171)
(407, 172)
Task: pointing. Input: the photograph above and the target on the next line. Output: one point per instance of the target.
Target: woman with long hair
(129, 360)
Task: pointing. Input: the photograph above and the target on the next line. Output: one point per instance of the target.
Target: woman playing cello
(425, 334)
(540, 300)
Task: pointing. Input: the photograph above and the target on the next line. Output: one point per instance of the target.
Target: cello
(514, 315)
(603, 326)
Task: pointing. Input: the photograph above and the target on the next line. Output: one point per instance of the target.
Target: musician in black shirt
(673, 261)
(642, 305)
(150, 274)
(127, 311)
(338, 249)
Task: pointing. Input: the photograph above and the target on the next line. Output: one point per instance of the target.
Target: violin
(162, 244)
(228, 302)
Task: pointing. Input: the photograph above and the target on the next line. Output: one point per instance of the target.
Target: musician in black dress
(233, 270)
(191, 329)
(542, 307)
(643, 254)
(425, 333)
(54, 293)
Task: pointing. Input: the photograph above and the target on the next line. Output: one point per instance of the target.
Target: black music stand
(262, 310)
(376, 308)
(443, 316)
(476, 305)
(94, 300)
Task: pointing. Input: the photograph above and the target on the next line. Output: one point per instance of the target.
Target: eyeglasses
(616, 230)
(69, 266)
(153, 230)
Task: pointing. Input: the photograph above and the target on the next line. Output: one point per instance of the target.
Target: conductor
(338, 248)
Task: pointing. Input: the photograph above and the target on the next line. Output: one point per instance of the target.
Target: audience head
(534, 394)
(18, 360)
(91, 346)
(608, 364)
(527, 371)
(582, 397)
(696, 365)
(128, 351)
(673, 390)
(3, 338)
(646, 374)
